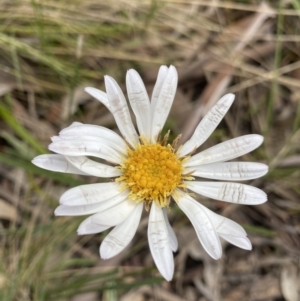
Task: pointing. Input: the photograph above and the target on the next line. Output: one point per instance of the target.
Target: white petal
(230, 171)
(228, 229)
(120, 111)
(223, 225)
(162, 73)
(227, 150)
(102, 221)
(164, 102)
(121, 235)
(86, 148)
(241, 242)
(76, 123)
(207, 125)
(202, 224)
(93, 168)
(99, 95)
(229, 192)
(87, 227)
(90, 194)
(114, 215)
(159, 242)
(56, 163)
(67, 210)
(171, 233)
(140, 102)
(56, 138)
(96, 133)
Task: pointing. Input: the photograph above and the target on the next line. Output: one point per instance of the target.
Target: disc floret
(152, 172)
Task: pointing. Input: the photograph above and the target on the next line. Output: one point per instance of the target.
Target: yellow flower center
(152, 172)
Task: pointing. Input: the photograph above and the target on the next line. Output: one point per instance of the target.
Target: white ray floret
(229, 171)
(56, 163)
(139, 101)
(86, 148)
(99, 95)
(114, 215)
(121, 235)
(90, 194)
(207, 125)
(241, 242)
(229, 230)
(227, 150)
(171, 233)
(67, 210)
(162, 73)
(202, 224)
(93, 168)
(95, 133)
(164, 102)
(159, 242)
(88, 227)
(111, 217)
(56, 139)
(120, 111)
(229, 192)
(223, 225)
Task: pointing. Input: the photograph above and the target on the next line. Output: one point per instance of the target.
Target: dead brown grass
(50, 50)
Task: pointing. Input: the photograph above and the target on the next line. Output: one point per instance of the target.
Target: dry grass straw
(51, 49)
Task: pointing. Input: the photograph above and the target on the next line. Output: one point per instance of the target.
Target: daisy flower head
(148, 172)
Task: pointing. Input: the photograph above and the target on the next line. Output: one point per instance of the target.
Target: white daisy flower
(148, 172)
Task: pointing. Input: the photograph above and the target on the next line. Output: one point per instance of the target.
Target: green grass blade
(20, 130)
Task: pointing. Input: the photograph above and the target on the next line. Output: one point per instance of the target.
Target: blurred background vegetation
(51, 49)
